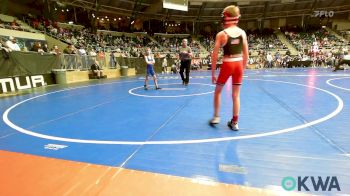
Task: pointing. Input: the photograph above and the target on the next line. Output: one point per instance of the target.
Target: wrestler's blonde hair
(231, 11)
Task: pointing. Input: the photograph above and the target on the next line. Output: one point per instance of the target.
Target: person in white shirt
(92, 52)
(82, 53)
(150, 61)
(12, 44)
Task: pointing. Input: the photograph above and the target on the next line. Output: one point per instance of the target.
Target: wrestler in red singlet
(234, 42)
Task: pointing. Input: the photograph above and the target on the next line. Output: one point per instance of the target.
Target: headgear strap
(228, 19)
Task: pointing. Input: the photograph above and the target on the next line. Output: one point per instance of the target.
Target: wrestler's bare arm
(214, 56)
(245, 49)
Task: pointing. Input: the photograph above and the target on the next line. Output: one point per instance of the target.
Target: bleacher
(115, 50)
(304, 40)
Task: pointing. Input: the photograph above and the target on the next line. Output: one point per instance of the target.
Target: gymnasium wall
(341, 24)
(22, 34)
(14, 8)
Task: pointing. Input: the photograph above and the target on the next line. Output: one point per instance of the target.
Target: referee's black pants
(185, 66)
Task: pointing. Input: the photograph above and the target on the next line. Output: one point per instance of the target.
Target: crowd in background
(303, 40)
(14, 25)
(268, 49)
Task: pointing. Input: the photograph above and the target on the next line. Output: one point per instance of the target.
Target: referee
(185, 55)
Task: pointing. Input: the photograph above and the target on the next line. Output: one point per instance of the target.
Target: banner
(27, 63)
(11, 84)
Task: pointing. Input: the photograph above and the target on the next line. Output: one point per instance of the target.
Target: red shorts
(234, 69)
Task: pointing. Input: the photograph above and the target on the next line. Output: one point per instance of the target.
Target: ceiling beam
(135, 8)
(331, 3)
(296, 2)
(198, 16)
(313, 5)
(200, 10)
(265, 8)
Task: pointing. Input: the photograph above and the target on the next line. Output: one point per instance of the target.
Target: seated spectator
(174, 69)
(345, 60)
(55, 50)
(195, 64)
(24, 49)
(97, 70)
(92, 52)
(12, 44)
(82, 51)
(37, 47)
(45, 48)
(69, 50)
(14, 25)
(54, 30)
(330, 61)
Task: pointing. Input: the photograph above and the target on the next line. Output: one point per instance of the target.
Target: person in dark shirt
(37, 47)
(97, 70)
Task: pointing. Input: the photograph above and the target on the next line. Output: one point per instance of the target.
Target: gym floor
(112, 137)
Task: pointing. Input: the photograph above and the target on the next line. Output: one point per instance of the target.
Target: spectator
(92, 52)
(345, 60)
(12, 44)
(37, 47)
(55, 50)
(14, 25)
(269, 60)
(70, 57)
(97, 70)
(112, 61)
(174, 68)
(69, 50)
(164, 65)
(82, 52)
(45, 48)
(101, 58)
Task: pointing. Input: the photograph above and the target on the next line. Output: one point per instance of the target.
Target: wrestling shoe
(214, 121)
(233, 125)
